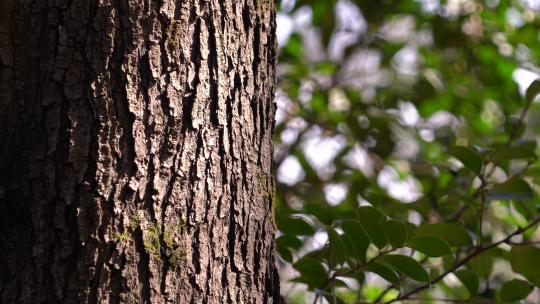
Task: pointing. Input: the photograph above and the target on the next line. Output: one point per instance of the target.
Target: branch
(450, 300)
(475, 253)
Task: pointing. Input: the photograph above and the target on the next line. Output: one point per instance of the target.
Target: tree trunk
(135, 151)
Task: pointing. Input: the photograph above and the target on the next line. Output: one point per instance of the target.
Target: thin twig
(520, 121)
(487, 175)
(523, 243)
(353, 270)
(481, 211)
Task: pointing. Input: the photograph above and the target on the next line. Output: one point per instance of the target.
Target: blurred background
(372, 97)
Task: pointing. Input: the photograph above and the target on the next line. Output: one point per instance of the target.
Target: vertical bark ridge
(137, 152)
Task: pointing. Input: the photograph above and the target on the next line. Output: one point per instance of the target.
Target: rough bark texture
(135, 151)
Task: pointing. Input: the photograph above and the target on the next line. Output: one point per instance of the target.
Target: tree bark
(135, 151)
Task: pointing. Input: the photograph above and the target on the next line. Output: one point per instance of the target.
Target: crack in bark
(143, 267)
(213, 68)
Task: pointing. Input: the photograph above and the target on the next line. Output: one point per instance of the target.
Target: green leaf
(294, 47)
(311, 271)
(370, 219)
(323, 213)
(482, 264)
(337, 249)
(289, 241)
(507, 153)
(350, 248)
(513, 189)
(432, 246)
(469, 279)
(384, 272)
(526, 208)
(295, 226)
(395, 232)
(355, 231)
(533, 90)
(285, 253)
(529, 143)
(330, 298)
(359, 276)
(514, 127)
(523, 259)
(311, 266)
(454, 233)
(468, 157)
(406, 265)
(311, 281)
(515, 290)
(328, 68)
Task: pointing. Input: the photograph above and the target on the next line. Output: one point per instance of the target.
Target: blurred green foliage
(406, 146)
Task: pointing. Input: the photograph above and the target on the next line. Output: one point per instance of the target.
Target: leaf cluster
(435, 163)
